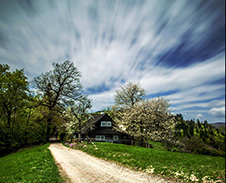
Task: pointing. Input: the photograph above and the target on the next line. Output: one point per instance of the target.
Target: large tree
(13, 91)
(149, 119)
(78, 117)
(129, 94)
(59, 87)
(13, 98)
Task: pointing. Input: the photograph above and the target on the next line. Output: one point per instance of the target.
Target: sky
(174, 48)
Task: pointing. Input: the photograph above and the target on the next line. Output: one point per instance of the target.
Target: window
(108, 123)
(100, 137)
(115, 137)
(105, 123)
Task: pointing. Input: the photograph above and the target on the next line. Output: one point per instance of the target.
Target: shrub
(169, 144)
(209, 151)
(69, 137)
(192, 144)
(179, 144)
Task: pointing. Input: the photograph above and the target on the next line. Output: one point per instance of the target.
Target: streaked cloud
(176, 49)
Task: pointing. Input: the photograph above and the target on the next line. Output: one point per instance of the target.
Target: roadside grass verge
(29, 165)
(179, 166)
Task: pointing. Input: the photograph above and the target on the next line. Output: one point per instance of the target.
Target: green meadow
(29, 165)
(176, 165)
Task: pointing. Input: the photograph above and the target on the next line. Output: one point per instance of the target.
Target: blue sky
(174, 48)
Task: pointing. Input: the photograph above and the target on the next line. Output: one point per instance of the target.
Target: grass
(157, 145)
(180, 166)
(29, 165)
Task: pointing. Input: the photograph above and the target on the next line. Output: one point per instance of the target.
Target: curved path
(83, 168)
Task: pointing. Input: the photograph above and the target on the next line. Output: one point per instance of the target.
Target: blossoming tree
(143, 119)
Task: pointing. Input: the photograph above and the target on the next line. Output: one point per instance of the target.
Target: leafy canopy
(13, 92)
(61, 86)
(129, 94)
(78, 117)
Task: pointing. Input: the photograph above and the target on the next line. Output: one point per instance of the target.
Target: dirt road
(83, 168)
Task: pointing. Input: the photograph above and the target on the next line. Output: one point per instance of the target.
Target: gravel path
(84, 168)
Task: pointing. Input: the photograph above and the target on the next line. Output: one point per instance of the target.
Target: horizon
(175, 49)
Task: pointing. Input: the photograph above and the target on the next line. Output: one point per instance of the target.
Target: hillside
(218, 124)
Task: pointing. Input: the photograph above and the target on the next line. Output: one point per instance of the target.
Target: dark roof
(94, 119)
(97, 117)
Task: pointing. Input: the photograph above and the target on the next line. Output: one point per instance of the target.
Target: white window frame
(108, 124)
(100, 137)
(103, 124)
(115, 137)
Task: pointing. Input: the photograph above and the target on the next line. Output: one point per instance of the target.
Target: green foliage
(192, 144)
(209, 151)
(169, 144)
(182, 166)
(200, 137)
(59, 88)
(78, 118)
(27, 118)
(30, 165)
(16, 112)
(129, 94)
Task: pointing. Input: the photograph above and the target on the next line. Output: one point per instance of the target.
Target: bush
(169, 144)
(69, 138)
(192, 144)
(195, 145)
(179, 144)
(209, 151)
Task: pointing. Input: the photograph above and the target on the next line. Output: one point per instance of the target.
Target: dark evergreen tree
(199, 124)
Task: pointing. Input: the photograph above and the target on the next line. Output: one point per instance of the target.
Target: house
(104, 130)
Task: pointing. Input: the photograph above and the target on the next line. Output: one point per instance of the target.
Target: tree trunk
(79, 133)
(9, 119)
(49, 119)
(79, 136)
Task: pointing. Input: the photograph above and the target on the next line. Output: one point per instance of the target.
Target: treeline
(31, 112)
(199, 137)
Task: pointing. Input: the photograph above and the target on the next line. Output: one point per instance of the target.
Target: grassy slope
(182, 166)
(31, 165)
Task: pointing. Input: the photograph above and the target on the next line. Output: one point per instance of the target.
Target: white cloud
(217, 111)
(199, 115)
